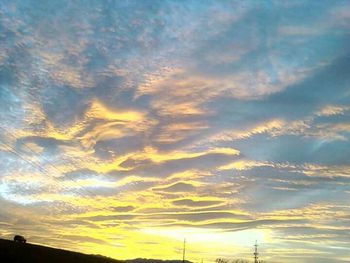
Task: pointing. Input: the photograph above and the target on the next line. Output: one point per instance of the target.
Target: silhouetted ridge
(145, 260)
(13, 252)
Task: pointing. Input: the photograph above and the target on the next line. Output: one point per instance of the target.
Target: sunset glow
(128, 126)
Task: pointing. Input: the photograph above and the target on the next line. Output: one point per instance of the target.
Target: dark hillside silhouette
(15, 252)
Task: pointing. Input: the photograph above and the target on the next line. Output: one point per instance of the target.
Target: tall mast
(256, 252)
(184, 252)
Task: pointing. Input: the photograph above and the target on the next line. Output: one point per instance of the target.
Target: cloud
(153, 163)
(197, 216)
(178, 187)
(124, 208)
(200, 116)
(196, 203)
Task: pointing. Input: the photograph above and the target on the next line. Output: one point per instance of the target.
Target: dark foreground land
(12, 252)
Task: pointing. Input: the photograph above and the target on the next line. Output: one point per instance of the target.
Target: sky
(127, 126)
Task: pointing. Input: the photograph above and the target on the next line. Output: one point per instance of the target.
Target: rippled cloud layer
(129, 125)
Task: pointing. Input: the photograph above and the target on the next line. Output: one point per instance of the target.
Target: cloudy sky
(127, 126)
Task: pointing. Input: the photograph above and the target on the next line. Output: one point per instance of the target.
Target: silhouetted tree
(224, 260)
(221, 260)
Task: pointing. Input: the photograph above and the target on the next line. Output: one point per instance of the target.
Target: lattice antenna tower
(256, 254)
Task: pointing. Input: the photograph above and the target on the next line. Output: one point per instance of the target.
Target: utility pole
(256, 252)
(184, 251)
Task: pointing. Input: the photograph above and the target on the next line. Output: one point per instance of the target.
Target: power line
(46, 172)
(48, 163)
(9, 149)
(33, 164)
